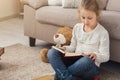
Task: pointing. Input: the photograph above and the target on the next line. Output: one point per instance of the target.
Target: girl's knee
(52, 52)
(86, 60)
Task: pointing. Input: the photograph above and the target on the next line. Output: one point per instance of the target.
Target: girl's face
(89, 18)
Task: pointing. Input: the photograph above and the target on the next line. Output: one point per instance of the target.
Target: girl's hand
(93, 56)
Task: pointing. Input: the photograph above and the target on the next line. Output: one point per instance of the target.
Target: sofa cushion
(55, 2)
(57, 15)
(111, 21)
(75, 3)
(113, 5)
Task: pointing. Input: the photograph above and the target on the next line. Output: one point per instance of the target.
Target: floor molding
(9, 17)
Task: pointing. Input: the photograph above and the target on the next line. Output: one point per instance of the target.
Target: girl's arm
(72, 46)
(103, 54)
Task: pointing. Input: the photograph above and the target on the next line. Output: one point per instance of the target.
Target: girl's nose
(86, 21)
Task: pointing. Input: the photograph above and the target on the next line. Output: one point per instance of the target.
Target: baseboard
(9, 17)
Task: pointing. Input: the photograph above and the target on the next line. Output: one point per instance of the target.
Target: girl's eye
(83, 17)
(89, 18)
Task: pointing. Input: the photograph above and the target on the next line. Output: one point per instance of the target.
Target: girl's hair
(91, 5)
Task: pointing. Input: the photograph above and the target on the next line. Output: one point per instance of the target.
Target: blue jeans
(67, 68)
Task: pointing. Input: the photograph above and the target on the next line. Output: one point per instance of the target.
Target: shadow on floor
(111, 66)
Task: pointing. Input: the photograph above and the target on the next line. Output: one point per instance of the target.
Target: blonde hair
(91, 5)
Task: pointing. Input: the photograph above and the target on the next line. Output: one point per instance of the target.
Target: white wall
(8, 8)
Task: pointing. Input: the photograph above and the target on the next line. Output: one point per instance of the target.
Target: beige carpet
(20, 62)
(23, 63)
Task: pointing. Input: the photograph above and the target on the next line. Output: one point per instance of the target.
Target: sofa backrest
(113, 5)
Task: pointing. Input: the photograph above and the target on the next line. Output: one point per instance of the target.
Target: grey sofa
(41, 22)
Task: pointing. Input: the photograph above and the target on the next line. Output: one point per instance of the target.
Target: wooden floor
(12, 32)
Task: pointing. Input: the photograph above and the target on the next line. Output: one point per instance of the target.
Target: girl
(88, 37)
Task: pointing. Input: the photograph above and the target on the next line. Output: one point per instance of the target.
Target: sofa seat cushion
(111, 21)
(56, 15)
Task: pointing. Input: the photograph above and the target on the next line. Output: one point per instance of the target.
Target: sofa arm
(36, 3)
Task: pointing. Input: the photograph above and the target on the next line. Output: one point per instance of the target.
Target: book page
(72, 54)
(67, 54)
(58, 49)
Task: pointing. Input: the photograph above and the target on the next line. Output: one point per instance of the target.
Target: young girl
(88, 37)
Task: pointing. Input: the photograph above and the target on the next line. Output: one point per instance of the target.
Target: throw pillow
(76, 3)
(113, 5)
(70, 3)
(55, 2)
(37, 3)
(25, 1)
(102, 3)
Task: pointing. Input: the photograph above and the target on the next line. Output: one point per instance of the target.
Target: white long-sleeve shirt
(95, 41)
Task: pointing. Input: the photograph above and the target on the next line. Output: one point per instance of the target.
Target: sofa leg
(32, 41)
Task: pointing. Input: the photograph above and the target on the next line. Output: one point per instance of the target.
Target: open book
(67, 54)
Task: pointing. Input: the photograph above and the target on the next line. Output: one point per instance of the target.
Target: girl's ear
(99, 16)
